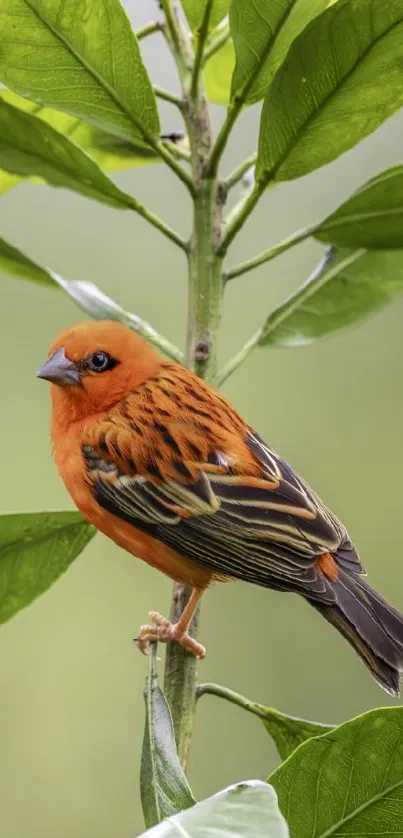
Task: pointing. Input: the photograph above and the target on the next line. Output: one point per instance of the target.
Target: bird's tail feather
(372, 626)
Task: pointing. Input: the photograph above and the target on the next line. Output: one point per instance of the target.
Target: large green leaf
(80, 57)
(106, 149)
(218, 70)
(29, 146)
(372, 217)
(343, 76)
(194, 11)
(253, 28)
(164, 788)
(347, 287)
(14, 262)
(35, 549)
(287, 731)
(246, 810)
(349, 782)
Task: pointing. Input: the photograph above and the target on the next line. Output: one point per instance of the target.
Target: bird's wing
(268, 529)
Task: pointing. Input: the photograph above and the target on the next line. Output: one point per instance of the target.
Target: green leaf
(82, 58)
(246, 810)
(218, 72)
(29, 146)
(349, 782)
(343, 76)
(253, 28)
(194, 11)
(108, 151)
(347, 287)
(289, 732)
(164, 788)
(35, 549)
(14, 262)
(372, 217)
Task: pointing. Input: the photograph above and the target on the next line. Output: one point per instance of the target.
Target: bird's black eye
(100, 362)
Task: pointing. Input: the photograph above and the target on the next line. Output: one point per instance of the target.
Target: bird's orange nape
(166, 467)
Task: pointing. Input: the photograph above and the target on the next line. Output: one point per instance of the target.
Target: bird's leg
(163, 631)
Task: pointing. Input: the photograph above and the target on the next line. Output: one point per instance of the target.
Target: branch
(167, 96)
(270, 253)
(233, 697)
(239, 215)
(240, 171)
(149, 29)
(200, 48)
(239, 358)
(216, 43)
(157, 222)
(98, 305)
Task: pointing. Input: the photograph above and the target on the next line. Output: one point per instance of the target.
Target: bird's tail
(372, 626)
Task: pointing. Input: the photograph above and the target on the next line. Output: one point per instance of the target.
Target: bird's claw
(163, 631)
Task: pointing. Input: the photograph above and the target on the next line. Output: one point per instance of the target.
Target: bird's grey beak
(59, 370)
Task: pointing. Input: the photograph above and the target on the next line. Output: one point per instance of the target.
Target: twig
(157, 222)
(239, 358)
(149, 29)
(271, 252)
(240, 171)
(167, 96)
(239, 215)
(200, 48)
(233, 697)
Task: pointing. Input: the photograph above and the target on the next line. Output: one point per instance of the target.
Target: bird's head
(94, 365)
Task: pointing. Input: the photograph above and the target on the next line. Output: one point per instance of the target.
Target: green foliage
(329, 73)
(80, 59)
(108, 151)
(348, 782)
(29, 146)
(246, 810)
(345, 60)
(288, 732)
(35, 549)
(372, 217)
(163, 785)
(194, 11)
(348, 286)
(14, 262)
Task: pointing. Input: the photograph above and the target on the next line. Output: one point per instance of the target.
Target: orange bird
(164, 465)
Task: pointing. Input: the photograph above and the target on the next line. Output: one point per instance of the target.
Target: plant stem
(270, 253)
(157, 222)
(167, 96)
(239, 215)
(240, 171)
(233, 697)
(204, 312)
(239, 358)
(148, 29)
(194, 85)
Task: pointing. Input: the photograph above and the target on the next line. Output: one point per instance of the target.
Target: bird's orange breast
(70, 463)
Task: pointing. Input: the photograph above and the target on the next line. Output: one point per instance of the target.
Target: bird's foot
(163, 631)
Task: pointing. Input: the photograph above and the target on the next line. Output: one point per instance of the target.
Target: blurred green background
(71, 706)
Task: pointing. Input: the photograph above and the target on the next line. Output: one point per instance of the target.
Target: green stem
(157, 222)
(194, 85)
(167, 96)
(239, 358)
(148, 29)
(204, 313)
(239, 215)
(271, 252)
(240, 171)
(233, 697)
(216, 43)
